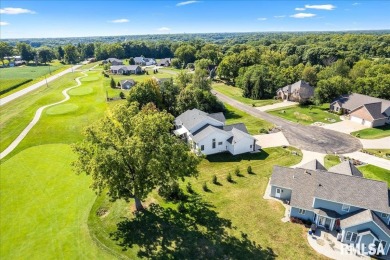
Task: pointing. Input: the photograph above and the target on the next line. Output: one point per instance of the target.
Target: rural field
(16, 78)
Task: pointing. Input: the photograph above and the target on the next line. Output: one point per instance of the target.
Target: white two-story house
(208, 134)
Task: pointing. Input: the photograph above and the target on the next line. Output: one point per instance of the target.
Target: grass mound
(62, 109)
(81, 91)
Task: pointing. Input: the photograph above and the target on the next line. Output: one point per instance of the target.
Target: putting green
(89, 78)
(45, 206)
(62, 109)
(80, 91)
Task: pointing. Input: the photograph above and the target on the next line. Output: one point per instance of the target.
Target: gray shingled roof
(313, 165)
(239, 126)
(363, 216)
(191, 118)
(354, 100)
(297, 86)
(347, 168)
(375, 110)
(113, 59)
(206, 131)
(341, 188)
(326, 213)
(218, 116)
(127, 80)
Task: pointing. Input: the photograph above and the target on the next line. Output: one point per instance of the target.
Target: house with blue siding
(338, 199)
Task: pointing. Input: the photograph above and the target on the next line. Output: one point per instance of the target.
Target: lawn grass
(45, 207)
(7, 85)
(253, 124)
(231, 219)
(331, 160)
(306, 115)
(373, 133)
(381, 153)
(15, 115)
(376, 173)
(236, 93)
(35, 73)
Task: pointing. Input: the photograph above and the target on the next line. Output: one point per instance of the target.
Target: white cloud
(279, 16)
(13, 10)
(356, 4)
(119, 21)
(163, 29)
(300, 9)
(4, 23)
(186, 3)
(321, 7)
(261, 19)
(302, 15)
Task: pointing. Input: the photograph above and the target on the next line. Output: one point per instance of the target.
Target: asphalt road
(309, 138)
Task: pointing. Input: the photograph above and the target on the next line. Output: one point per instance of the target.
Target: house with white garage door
(208, 134)
(362, 109)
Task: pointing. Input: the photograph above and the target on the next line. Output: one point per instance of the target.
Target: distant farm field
(28, 72)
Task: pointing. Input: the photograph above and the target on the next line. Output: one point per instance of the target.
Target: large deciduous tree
(5, 50)
(70, 54)
(26, 51)
(45, 55)
(130, 152)
(186, 54)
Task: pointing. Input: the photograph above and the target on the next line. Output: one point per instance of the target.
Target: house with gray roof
(127, 83)
(125, 70)
(208, 134)
(113, 61)
(363, 109)
(142, 61)
(356, 207)
(166, 62)
(300, 91)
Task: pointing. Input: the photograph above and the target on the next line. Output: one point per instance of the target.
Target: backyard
(307, 115)
(373, 133)
(230, 220)
(236, 93)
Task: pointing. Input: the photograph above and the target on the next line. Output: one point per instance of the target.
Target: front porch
(326, 243)
(327, 219)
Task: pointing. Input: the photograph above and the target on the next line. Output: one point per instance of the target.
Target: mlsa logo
(361, 249)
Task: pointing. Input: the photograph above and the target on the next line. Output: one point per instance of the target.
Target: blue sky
(36, 19)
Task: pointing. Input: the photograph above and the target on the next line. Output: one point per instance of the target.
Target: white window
(351, 236)
(384, 215)
(345, 207)
(302, 211)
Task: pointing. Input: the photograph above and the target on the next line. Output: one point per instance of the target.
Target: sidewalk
(277, 105)
(35, 86)
(370, 159)
(382, 143)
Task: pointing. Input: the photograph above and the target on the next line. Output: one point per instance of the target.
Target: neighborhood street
(309, 138)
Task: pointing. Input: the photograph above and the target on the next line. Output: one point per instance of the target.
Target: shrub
(237, 171)
(204, 187)
(229, 177)
(215, 180)
(122, 95)
(189, 188)
(263, 131)
(249, 169)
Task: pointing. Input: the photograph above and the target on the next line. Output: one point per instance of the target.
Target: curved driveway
(309, 138)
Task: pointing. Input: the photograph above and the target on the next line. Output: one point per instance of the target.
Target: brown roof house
(362, 109)
(300, 91)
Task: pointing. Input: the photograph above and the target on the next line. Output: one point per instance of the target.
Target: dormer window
(345, 208)
(384, 215)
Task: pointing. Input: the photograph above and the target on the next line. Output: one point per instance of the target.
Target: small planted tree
(249, 170)
(112, 83)
(205, 188)
(215, 180)
(122, 95)
(229, 177)
(237, 171)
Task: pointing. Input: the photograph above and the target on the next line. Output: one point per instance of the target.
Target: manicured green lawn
(376, 173)
(236, 93)
(373, 133)
(234, 116)
(307, 115)
(45, 207)
(15, 115)
(331, 160)
(35, 73)
(382, 153)
(231, 219)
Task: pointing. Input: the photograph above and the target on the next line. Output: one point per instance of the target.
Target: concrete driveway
(345, 126)
(370, 159)
(271, 140)
(382, 143)
(308, 156)
(277, 105)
